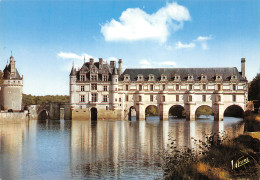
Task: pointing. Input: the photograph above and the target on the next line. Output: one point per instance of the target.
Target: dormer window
(105, 77)
(151, 77)
(190, 78)
(126, 77)
(203, 77)
(93, 77)
(233, 77)
(163, 77)
(218, 77)
(140, 77)
(177, 77)
(82, 77)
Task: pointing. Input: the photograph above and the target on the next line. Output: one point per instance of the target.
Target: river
(101, 150)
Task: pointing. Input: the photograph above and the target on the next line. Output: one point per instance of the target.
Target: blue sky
(47, 36)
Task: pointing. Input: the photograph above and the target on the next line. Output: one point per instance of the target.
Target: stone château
(11, 88)
(99, 90)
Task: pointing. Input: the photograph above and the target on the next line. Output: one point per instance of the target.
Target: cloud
(150, 64)
(145, 63)
(135, 24)
(76, 59)
(180, 45)
(167, 63)
(203, 40)
(69, 55)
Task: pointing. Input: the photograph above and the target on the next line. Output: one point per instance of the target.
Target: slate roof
(7, 73)
(211, 73)
(86, 68)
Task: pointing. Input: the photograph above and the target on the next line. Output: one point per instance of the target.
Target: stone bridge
(52, 111)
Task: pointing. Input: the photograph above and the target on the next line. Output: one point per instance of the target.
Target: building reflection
(11, 145)
(113, 148)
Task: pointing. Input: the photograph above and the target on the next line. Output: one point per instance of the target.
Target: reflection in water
(102, 149)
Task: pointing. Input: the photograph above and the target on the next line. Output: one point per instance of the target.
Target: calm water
(105, 150)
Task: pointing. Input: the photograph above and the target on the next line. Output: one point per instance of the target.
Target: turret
(119, 67)
(100, 63)
(114, 88)
(13, 68)
(243, 67)
(12, 87)
(73, 79)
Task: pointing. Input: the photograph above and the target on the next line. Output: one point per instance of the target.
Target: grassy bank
(212, 159)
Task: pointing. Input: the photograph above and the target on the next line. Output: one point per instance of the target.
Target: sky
(46, 37)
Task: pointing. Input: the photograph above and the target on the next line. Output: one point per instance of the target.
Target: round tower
(11, 88)
(114, 89)
(73, 79)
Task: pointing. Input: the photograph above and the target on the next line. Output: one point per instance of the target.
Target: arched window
(140, 98)
(190, 98)
(140, 87)
(163, 98)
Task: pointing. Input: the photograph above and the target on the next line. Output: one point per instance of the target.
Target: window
(93, 86)
(151, 87)
(119, 99)
(234, 87)
(82, 98)
(126, 97)
(126, 87)
(163, 98)
(140, 98)
(151, 98)
(234, 98)
(105, 88)
(218, 98)
(105, 98)
(219, 87)
(105, 78)
(94, 97)
(177, 87)
(140, 87)
(204, 86)
(177, 98)
(82, 78)
(93, 77)
(190, 86)
(190, 98)
(163, 87)
(82, 88)
(204, 98)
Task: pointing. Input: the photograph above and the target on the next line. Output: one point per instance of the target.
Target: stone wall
(13, 117)
(85, 114)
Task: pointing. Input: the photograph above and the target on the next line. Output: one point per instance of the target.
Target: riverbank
(218, 157)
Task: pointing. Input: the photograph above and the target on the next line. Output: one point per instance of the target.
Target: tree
(254, 88)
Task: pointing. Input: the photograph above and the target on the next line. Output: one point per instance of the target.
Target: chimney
(112, 64)
(119, 67)
(100, 63)
(243, 67)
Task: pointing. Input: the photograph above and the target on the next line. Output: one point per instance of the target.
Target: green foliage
(254, 88)
(37, 100)
(204, 110)
(233, 111)
(1, 77)
(151, 111)
(177, 111)
(212, 159)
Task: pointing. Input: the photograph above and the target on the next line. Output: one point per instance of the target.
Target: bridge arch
(131, 113)
(93, 114)
(43, 114)
(205, 110)
(151, 110)
(234, 110)
(177, 111)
